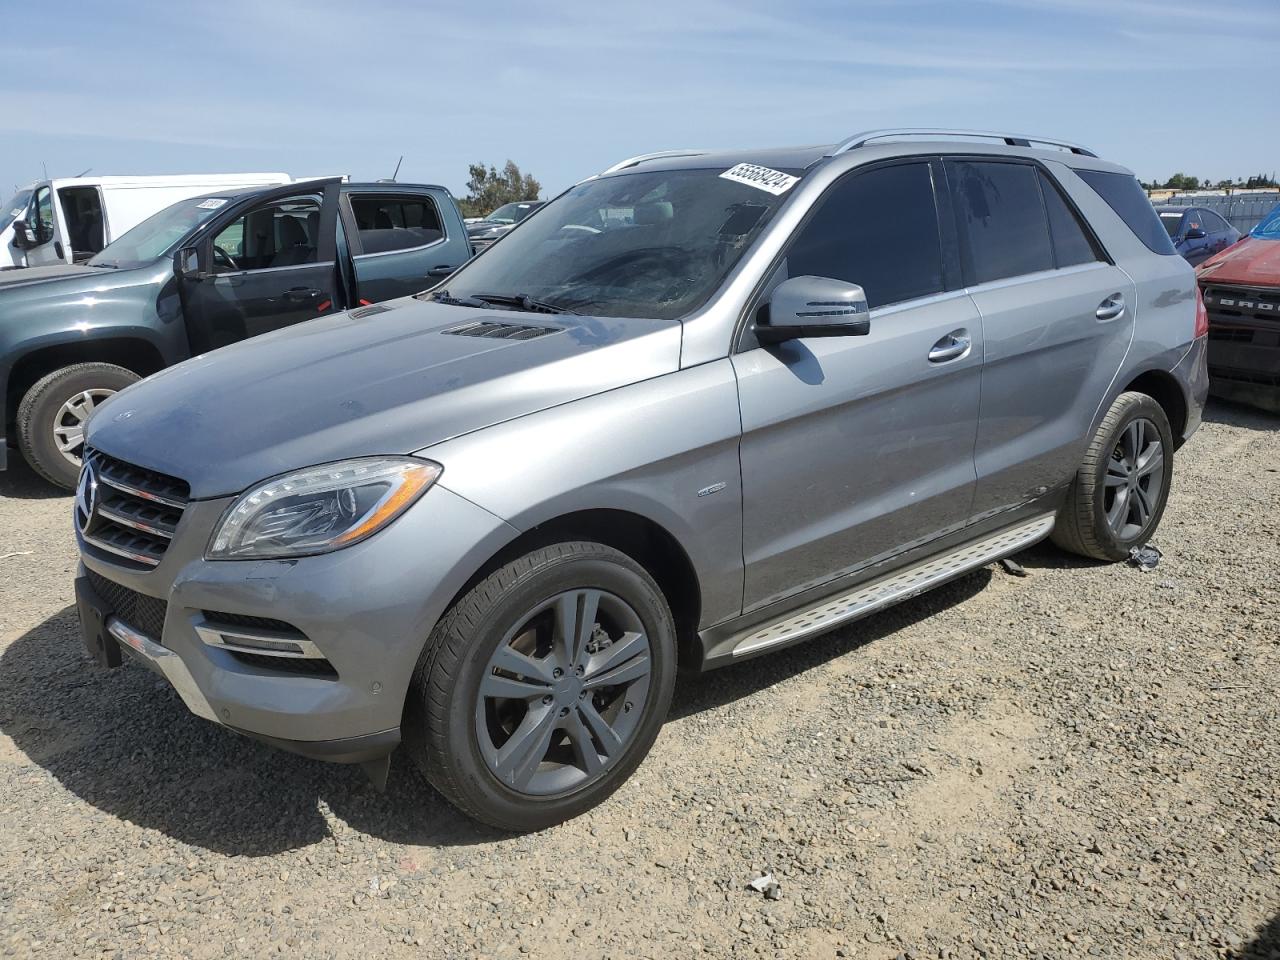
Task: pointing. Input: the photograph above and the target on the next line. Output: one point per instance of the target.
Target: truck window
(396, 222)
(284, 233)
(44, 215)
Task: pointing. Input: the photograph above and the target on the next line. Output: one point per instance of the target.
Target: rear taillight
(1202, 315)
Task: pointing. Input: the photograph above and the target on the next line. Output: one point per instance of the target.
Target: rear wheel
(544, 687)
(53, 412)
(1119, 493)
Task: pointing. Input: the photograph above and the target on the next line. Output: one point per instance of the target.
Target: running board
(900, 585)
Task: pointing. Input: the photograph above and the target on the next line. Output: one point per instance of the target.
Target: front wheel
(543, 688)
(53, 412)
(1118, 495)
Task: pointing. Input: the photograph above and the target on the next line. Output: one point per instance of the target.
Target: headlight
(320, 509)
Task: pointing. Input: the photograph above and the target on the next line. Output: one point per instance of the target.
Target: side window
(1214, 223)
(44, 215)
(878, 229)
(395, 223)
(1002, 219)
(284, 233)
(1126, 197)
(1072, 243)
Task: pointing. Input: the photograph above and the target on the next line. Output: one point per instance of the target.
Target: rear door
(1057, 320)
(401, 241)
(854, 448)
(269, 266)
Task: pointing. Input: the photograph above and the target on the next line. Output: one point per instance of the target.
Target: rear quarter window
(1125, 196)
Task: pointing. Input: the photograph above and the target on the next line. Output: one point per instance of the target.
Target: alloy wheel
(564, 693)
(1134, 480)
(68, 423)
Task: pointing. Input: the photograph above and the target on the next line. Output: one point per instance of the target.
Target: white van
(69, 219)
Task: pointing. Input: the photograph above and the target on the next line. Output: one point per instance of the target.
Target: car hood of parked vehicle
(389, 379)
(53, 271)
(1254, 261)
(487, 227)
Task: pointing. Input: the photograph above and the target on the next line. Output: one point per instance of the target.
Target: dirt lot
(1081, 762)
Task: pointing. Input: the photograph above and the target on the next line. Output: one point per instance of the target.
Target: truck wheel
(542, 689)
(51, 416)
(1118, 495)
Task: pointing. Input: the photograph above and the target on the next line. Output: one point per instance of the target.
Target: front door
(1057, 318)
(855, 448)
(44, 223)
(269, 267)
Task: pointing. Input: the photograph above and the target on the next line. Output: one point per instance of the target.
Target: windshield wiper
(521, 301)
(442, 296)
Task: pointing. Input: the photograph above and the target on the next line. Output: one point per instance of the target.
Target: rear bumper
(1192, 372)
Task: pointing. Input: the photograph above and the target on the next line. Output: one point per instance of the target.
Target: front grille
(493, 330)
(133, 512)
(143, 613)
(1229, 305)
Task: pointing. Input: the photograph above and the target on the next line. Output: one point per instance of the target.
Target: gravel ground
(1080, 762)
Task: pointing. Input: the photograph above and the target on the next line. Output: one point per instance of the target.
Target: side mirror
(1196, 233)
(815, 307)
(22, 238)
(186, 264)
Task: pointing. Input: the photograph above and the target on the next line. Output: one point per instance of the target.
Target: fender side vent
(372, 311)
(493, 330)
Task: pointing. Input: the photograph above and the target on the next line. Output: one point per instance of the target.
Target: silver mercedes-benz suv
(699, 407)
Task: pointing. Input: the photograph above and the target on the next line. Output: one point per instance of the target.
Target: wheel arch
(643, 539)
(1162, 387)
(131, 351)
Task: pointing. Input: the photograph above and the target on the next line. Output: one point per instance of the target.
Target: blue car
(1197, 233)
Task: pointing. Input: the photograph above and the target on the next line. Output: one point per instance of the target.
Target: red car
(1241, 288)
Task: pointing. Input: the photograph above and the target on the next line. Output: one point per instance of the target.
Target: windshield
(512, 212)
(638, 245)
(1171, 221)
(1269, 228)
(15, 208)
(159, 234)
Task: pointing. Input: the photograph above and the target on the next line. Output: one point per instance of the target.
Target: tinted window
(281, 234)
(1172, 222)
(878, 229)
(1071, 242)
(395, 223)
(513, 212)
(1002, 217)
(1214, 223)
(1125, 196)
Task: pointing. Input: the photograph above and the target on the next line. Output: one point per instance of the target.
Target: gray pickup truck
(198, 275)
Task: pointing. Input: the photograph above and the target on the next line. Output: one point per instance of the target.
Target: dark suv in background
(484, 232)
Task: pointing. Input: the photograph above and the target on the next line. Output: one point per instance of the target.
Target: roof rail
(632, 161)
(1011, 139)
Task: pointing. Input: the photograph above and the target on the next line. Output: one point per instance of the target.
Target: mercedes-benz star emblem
(86, 496)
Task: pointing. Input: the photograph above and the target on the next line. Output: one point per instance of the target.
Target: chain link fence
(1242, 211)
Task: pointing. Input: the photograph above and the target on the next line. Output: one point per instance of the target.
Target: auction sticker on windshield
(762, 178)
(213, 203)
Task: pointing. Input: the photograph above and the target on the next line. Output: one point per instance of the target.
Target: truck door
(270, 266)
(49, 244)
(401, 242)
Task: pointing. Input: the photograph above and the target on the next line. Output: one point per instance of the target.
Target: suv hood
(55, 271)
(386, 379)
(1251, 262)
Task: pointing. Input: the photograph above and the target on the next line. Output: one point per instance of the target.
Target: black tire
(1082, 526)
(441, 726)
(41, 405)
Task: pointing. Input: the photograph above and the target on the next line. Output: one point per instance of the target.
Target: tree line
(1180, 181)
(489, 188)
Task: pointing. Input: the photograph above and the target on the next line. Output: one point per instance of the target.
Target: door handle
(441, 271)
(1111, 308)
(301, 294)
(953, 346)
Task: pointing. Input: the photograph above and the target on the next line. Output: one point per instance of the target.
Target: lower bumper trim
(362, 749)
(165, 662)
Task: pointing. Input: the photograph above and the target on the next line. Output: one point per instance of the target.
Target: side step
(896, 586)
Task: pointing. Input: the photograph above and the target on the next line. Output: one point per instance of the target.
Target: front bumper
(367, 610)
